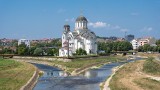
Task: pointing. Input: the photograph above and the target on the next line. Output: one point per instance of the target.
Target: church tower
(81, 23)
(65, 34)
(66, 28)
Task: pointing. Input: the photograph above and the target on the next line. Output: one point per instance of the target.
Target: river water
(55, 79)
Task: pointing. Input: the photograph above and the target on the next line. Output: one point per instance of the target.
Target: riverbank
(105, 85)
(77, 66)
(14, 75)
(132, 77)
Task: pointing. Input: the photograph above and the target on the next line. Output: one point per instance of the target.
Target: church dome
(66, 25)
(81, 18)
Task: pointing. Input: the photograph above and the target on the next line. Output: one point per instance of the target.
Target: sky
(38, 19)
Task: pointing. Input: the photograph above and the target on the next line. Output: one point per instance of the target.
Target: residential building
(135, 44)
(24, 41)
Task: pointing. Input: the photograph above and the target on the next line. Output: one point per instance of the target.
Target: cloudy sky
(37, 19)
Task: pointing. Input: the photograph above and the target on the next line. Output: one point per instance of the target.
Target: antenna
(125, 33)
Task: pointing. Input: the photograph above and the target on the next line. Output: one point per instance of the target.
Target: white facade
(135, 44)
(25, 41)
(81, 37)
(142, 41)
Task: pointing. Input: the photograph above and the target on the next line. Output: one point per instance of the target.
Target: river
(55, 79)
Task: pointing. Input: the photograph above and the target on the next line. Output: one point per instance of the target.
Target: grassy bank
(132, 77)
(148, 84)
(151, 66)
(84, 63)
(148, 54)
(13, 74)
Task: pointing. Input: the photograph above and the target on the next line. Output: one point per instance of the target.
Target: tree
(155, 48)
(158, 42)
(146, 47)
(38, 51)
(140, 49)
(31, 50)
(23, 49)
(80, 51)
(114, 46)
(49, 51)
(124, 46)
(7, 51)
(105, 47)
(55, 51)
(158, 49)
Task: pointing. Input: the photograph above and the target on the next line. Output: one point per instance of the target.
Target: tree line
(149, 48)
(39, 48)
(107, 47)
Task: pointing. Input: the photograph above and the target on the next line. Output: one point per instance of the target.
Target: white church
(81, 37)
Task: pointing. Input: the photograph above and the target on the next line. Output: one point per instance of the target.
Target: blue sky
(37, 19)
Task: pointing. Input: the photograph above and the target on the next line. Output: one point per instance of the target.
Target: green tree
(146, 47)
(158, 42)
(38, 51)
(55, 51)
(23, 49)
(158, 49)
(80, 51)
(31, 50)
(140, 49)
(105, 47)
(49, 51)
(7, 51)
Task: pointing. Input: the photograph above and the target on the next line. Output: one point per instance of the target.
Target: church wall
(87, 41)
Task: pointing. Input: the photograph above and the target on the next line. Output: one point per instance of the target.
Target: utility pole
(68, 48)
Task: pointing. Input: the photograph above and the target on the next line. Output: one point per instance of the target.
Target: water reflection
(56, 79)
(55, 74)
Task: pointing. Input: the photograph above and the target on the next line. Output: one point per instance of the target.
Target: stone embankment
(39, 61)
(31, 83)
(42, 58)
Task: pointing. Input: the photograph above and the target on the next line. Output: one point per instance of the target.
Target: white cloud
(99, 24)
(70, 20)
(134, 14)
(107, 26)
(147, 29)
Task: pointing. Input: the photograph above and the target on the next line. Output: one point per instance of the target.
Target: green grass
(148, 84)
(82, 63)
(14, 74)
(5, 64)
(151, 66)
